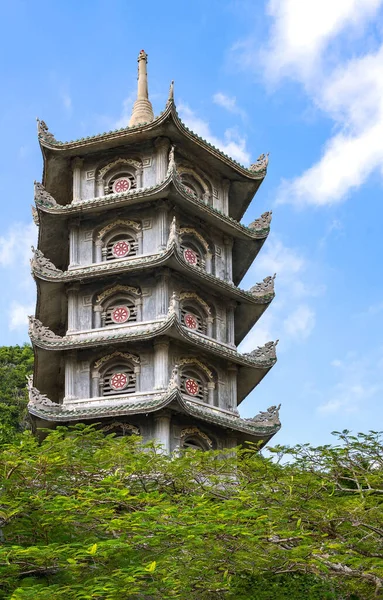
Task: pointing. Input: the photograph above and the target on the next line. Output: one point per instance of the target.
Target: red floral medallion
(120, 314)
(191, 386)
(119, 381)
(121, 185)
(190, 256)
(190, 321)
(121, 249)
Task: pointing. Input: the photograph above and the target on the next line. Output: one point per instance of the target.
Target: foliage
(85, 515)
(16, 362)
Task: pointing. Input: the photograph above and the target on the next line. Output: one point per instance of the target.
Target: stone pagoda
(139, 313)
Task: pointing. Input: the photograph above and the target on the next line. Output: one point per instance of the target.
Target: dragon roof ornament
(42, 197)
(38, 331)
(35, 215)
(264, 287)
(263, 222)
(260, 164)
(263, 353)
(43, 132)
(36, 398)
(271, 416)
(171, 94)
(40, 263)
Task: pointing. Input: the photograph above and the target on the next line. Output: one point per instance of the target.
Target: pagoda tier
(138, 312)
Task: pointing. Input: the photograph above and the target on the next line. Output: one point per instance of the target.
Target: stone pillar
(162, 158)
(208, 262)
(139, 177)
(139, 308)
(209, 326)
(210, 391)
(139, 243)
(70, 376)
(104, 252)
(73, 244)
(161, 363)
(162, 431)
(100, 187)
(97, 316)
(230, 324)
(76, 167)
(225, 196)
(72, 308)
(98, 251)
(232, 376)
(162, 299)
(228, 259)
(137, 372)
(162, 226)
(95, 389)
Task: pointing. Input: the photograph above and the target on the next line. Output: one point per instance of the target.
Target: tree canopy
(16, 362)
(84, 515)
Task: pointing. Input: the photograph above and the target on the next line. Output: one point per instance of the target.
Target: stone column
(98, 251)
(139, 242)
(76, 167)
(139, 308)
(70, 376)
(162, 300)
(225, 196)
(137, 372)
(95, 389)
(232, 376)
(161, 363)
(208, 262)
(72, 308)
(73, 244)
(162, 146)
(209, 326)
(162, 431)
(140, 177)
(210, 388)
(162, 226)
(97, 316)
(228, 259)
(230, 324)
(100, 187)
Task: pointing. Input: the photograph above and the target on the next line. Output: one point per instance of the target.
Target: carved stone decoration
(38, 331)
(263, 222)
(174, 379)
(125, 355)
(194, 232)
(194, 296)
(198, 363)
(35, 215)
(126, 428)
(263, 353)
(42, 196)
(35, 397)
(260, 164)
(44, 133)
(172, 162)
(173, 235)
(197, 432)
(171, 94)
(119, 161)
(125, 222)
(118, 288)
(41, 263)
(269, 417)
(264, 287)
(173, 305)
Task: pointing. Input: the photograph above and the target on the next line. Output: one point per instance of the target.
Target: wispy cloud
(229, 103)
(18, 315)
(308, 43)
(15, 245)
(126, 111)
(232, 143)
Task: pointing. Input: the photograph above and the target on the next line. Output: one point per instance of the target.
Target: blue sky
(302, 80)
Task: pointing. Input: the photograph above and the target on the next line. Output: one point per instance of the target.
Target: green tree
(85, 515)
(16, 362)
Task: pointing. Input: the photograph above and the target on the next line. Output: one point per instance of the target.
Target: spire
(142, 108)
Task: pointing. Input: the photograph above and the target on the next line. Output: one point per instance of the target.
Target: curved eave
(252, 431)
(140, 132)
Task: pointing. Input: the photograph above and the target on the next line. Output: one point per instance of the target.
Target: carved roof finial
(142, 111)
(171, 94)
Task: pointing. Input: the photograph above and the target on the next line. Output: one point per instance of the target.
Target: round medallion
(191, 386)
(119, 381)
(190, 256)
(120, 314)
(190, 321)
(122, 184)
(121, 249)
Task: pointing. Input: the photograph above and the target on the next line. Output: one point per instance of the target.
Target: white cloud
(229, 103)
(18, 315)
(15, 245)
(233, 144)
(309, 42)
(300, 323)
(126, 111)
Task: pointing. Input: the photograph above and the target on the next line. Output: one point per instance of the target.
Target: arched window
(120, 429)
(120, 245)
(121, 182)
(194, 247)
(119, 176)
(195, 183)
(118, 310)
(194, 442)
(196, 380)
(195, 313)
(192, 185)
(192, 437)
(118, 378)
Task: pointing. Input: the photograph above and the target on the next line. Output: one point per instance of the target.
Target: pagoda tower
(139, 313)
